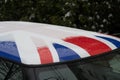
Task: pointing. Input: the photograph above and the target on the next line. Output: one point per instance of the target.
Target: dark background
(95, 15)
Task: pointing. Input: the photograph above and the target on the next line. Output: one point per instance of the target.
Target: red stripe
(92, 46)
(45, 55)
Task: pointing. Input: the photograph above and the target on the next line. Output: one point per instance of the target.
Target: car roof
(36, 43)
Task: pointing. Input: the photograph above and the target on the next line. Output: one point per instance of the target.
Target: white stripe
(53, 52)
(80, 51)
(49, 42)
(108, 43)
(27, 50)
(107, 36)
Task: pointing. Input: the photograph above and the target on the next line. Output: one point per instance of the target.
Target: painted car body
(35, 44)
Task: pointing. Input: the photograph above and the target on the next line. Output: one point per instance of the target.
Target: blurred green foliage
(101, 15)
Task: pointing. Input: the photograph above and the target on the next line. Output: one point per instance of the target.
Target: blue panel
(8, 50)
(64, 53)
(115, 42)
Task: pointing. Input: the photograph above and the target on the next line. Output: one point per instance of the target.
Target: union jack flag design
(33, 49)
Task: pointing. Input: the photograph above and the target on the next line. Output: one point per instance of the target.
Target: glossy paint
(36, 43)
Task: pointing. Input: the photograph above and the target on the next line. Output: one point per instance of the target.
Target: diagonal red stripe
(45, 55)
(92, 46)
